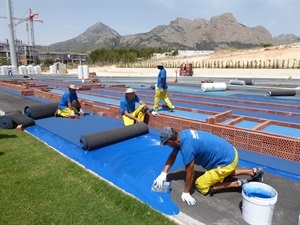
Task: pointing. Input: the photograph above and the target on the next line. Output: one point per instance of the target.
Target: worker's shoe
(241, 182)
(144, 109)
(258, 174)
(171, 109)
(210, 192)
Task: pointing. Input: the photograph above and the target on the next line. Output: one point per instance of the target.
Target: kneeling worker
(215, 154)
(65, 107)
(128, 111)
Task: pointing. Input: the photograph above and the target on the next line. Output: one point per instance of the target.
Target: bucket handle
(272, 206)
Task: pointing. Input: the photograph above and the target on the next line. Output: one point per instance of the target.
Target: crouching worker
(65, 107)
(129, 113)
(216, 155)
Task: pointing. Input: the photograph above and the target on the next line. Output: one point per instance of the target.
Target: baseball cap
(166, 134)
(160, 64)
(129, 90)
(72, 86)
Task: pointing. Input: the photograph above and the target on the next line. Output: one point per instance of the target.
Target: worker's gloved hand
(72, 114)
(81, 111)
(159, 181)
(186, 197)
(154, 113)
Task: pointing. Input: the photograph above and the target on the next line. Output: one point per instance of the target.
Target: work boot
(210, 192)
(144, 110)
(171, 109)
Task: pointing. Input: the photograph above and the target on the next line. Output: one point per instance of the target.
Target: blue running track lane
(131, 165)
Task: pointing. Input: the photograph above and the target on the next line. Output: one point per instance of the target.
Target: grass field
(40, 186)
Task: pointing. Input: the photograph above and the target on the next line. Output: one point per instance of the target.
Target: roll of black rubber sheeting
(13, 119)
(248, 81)
(101, 139)
(7, 123)
(39, 111)
(282, 93)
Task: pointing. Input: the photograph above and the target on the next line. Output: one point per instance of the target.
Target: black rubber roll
(98, 140)
(248, 81)
(13, 119)
(7, 123)
(39, 111)
(282, 93)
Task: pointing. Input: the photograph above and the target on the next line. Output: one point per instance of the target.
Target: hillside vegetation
(282, 56)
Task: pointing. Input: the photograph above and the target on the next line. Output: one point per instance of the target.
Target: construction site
(25, 52)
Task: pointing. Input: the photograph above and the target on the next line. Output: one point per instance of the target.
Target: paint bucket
(259, 201)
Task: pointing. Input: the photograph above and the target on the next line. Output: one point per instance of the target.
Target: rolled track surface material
(282, 93)
(213, 87)
(248, 81)
(237, 82)
(39, 111)
(100, 139)
(13, 119)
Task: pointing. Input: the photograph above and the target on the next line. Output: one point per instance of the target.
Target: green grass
(40, 186)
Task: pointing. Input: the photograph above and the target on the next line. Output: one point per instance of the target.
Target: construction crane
(32, 17)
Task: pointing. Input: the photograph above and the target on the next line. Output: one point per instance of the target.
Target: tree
(48, 62)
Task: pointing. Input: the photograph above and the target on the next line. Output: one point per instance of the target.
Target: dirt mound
(281, 52)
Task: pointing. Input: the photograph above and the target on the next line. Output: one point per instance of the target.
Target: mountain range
(220, 32)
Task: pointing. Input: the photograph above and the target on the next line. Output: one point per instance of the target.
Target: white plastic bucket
(80, 72)
(259, 201)
(37, 69)
(86, 73)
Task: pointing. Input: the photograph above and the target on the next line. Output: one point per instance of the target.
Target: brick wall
(250, 139)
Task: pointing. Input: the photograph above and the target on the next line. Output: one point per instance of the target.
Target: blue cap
(166, 134)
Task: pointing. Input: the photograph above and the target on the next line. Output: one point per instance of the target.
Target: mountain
(222, 31)
(285, 39)
(95, 37)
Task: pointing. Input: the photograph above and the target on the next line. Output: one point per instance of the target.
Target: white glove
(186, 197)
(154, 113)
(81, 111)
(72, 114)
(159, 181)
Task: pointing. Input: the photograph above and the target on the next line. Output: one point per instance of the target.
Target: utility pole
(11, 38)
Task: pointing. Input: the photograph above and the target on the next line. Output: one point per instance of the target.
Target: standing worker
(65, 107)
(9, 71)
(213, 153)
(161, 92)
(129, 114)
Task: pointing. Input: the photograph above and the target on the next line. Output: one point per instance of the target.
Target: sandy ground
(201, 73)
(282, 52)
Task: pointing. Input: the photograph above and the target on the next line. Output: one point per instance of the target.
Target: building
(26, 55)
(77, 58)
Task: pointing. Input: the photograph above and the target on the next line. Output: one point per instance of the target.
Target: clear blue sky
(66, 19)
